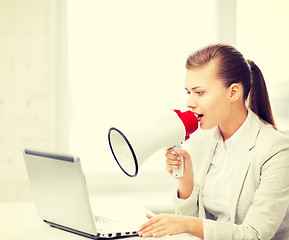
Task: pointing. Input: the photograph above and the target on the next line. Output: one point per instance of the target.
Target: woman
(235, 183)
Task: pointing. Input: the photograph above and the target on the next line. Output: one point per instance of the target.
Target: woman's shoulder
(274, 134)
(271, 139)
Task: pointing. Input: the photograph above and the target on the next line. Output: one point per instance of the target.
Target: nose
(191, 102)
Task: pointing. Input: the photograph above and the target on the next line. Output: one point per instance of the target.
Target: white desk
(19, 221)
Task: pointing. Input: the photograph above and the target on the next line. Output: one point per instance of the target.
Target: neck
(233, 122)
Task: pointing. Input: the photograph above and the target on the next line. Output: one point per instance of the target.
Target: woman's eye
(200, 93)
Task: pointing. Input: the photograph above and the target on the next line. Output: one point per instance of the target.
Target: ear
(235, 92)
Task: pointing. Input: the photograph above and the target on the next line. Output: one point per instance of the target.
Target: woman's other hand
(162, 225)
(168, 224)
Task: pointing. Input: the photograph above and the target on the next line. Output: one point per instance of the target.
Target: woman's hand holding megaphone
(173, 162)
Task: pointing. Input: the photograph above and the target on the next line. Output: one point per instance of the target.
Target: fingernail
(173, 152)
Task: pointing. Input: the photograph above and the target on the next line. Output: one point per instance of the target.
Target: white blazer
(260, 195)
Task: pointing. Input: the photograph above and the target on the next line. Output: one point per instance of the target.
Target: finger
(148, 231)
(152, 221)
(183, 153)
(168, 151)
(171, 156)
(154, 228)
(173, 164)
(149, 216)
(170, 168)
(171, 153)
(156, 232)
(161, 233)
(176, 162)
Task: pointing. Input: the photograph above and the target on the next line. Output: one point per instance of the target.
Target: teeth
(200, 116)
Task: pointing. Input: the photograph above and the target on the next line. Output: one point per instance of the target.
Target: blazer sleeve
(268, 209)
(187, 206)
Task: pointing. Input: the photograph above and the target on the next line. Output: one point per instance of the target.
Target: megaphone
(130, 151)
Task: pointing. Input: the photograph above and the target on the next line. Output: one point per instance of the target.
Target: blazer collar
(249, 131)
(245, 137)
(244, 164)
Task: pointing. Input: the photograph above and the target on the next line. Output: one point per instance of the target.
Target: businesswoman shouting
(236, 169)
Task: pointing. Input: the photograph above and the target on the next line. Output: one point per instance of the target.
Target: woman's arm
(162, 225)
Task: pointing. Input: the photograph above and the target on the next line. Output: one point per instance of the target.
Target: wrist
(185, 188)
(194, 226)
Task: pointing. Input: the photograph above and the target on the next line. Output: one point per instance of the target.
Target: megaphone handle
(178, 173)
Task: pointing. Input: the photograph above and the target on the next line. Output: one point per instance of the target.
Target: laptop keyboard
(108, 225)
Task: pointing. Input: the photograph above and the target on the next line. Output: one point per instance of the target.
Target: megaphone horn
(130, 151)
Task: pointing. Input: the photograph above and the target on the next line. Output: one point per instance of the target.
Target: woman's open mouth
(199, 116)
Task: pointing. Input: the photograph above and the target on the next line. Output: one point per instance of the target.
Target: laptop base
(55, 225)
(83, 234)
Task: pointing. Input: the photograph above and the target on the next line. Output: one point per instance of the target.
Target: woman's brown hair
(234, 68)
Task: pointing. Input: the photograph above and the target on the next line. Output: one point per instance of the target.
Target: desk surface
(20, 221)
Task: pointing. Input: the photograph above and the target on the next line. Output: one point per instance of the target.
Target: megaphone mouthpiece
(189, 120)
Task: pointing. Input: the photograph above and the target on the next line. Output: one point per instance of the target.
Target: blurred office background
(71, 69)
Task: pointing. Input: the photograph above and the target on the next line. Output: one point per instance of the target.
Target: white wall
(263, 36)
(27, 89)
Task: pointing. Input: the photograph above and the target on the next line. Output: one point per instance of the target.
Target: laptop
(61, 196)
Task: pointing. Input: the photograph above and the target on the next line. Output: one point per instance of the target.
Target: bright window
(126, 65)
(263, 36)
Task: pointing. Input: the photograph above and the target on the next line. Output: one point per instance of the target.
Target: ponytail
(259, 101)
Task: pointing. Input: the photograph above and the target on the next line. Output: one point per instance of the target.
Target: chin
(207, 127)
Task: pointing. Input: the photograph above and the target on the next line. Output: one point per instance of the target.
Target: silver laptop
(61, 196)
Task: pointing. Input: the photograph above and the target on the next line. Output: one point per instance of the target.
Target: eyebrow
(194, 88)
